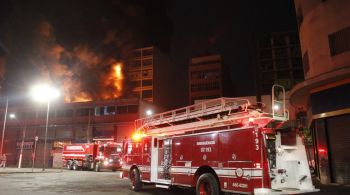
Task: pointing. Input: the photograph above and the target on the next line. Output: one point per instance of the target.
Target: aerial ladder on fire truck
(223, 144)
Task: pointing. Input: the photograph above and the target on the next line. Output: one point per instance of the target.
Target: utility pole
(4, 127)
(22, 144)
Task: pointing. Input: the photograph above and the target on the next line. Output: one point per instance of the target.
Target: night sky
(90, 35)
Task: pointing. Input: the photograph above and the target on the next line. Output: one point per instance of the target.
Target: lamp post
(44, 93)
(13, 116)
(4, 127)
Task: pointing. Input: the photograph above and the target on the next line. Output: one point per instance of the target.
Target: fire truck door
(161, 160)
(164, 159)
(146, 159)
(154, 159)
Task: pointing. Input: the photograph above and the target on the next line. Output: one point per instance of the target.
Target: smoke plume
(80, 46)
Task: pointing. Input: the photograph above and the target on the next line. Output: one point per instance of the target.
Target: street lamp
(44, 93)
(3, 128)
(149, 112)
(13, 116)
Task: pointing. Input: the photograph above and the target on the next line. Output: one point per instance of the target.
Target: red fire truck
(219, 145)
(92, 156)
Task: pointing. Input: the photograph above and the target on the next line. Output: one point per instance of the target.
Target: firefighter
(3, 161)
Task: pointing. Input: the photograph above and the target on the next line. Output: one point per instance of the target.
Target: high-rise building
(205, 78)
(279, 61)
(150, 76)
(324, 29)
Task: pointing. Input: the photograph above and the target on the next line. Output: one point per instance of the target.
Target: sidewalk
(331, 189)
(11, 170)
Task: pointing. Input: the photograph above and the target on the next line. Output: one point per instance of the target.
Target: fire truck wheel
(69, 165)
(75, 166)
(135, 179)
(207, 185)
(97, 167)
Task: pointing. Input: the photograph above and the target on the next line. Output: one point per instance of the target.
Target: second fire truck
(92, 156)
(220, 145)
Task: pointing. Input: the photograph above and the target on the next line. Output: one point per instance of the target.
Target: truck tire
(136, 184)
(97, 167)
(69, 165)
(207, 185)
(75, 166)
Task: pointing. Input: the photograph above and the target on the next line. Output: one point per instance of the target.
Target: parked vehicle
(92, 156)
(220, 145)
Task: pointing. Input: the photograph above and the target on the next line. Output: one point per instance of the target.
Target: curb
(24, 172)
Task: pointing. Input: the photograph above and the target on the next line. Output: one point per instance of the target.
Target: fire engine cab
(219, 145)
(92, 156)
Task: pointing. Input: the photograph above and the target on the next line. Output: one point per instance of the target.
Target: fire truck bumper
(264, 191)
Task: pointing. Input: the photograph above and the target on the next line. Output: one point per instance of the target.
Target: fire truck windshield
(110, 150)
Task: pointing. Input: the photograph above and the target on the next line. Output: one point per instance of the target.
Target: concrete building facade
(279, 61)
(205, 78)
(324, 29)
(80, 122)
(150, 75)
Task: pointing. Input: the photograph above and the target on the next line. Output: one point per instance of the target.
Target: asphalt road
(74, 182)
(101, 183)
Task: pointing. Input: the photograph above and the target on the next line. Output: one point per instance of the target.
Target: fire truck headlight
(110, 160)
(105, 162)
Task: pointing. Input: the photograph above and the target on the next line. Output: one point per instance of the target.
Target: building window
(135, 63)
(207, 74)
(122, 109)
(205, 87)
(135, 84)
(265, 43)
(147, 62)
(283, 74)
(339, 42)
(83, 111)
(280, 53)
(266, 54)
(147, 52)
(147, 83)
(282, 64)
(306, 64)
(133, 109)
(266, 65)
(147, 94)
(111, 110)
(279, 41)
(64, 113)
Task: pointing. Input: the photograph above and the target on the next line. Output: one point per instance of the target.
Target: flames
(83, 74)
(111, 86)
(113, 82)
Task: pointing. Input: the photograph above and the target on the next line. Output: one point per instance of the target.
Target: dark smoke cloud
(76, 43)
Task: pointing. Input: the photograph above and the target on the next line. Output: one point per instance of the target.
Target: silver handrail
(198, 110)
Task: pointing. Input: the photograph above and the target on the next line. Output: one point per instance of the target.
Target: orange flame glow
(113, 82)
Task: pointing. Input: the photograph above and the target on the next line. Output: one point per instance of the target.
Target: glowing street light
(149, 112)
(44, 93)
(12, 116)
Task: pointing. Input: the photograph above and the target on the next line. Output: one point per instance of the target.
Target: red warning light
(321, 150)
